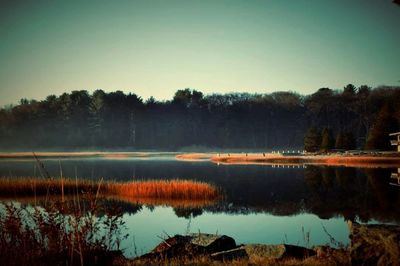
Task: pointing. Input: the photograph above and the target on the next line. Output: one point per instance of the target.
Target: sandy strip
(194, 156)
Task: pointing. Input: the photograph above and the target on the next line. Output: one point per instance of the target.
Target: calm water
(263, 204)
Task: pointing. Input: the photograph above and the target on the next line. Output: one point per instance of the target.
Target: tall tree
(327, 142)
(378, 136)
(96, 119)
(345, 140)
(312, 140)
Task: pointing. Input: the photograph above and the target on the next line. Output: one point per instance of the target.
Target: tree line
(349, 118)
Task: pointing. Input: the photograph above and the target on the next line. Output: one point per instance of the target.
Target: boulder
(190, 246)
(374, 244)
(171, 242)
(213, 243)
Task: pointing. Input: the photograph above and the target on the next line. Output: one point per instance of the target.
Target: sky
(155, 47)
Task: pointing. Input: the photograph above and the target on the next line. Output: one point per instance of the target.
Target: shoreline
(83, 154)
(366, 161)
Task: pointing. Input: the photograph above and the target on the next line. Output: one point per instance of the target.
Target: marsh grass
(173, 189)
(144, 190)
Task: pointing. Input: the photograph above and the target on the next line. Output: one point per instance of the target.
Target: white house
(396, 142)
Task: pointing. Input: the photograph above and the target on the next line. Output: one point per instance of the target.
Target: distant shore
(349, 160)
(67, 154)
(375, 160)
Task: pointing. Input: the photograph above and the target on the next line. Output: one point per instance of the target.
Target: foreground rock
(190, 246)
(374, 244)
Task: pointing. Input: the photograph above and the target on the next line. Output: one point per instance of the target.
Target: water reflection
(396, 178)
(261, 204)
(262, 228)
(325, 191)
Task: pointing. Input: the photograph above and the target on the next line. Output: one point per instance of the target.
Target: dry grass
(174, 189)
(179, 190)
(341, 259)
(194, 156)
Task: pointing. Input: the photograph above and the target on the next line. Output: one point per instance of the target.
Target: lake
(261, 203)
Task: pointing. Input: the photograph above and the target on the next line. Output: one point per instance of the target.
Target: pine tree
(327, 140)
(312, 140)
(378, 136)
(349, 141)
(339, 143)
(345, 140)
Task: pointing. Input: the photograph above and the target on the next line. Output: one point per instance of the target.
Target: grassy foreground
(75, 226)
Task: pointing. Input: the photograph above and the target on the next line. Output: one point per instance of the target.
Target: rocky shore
(370, 245)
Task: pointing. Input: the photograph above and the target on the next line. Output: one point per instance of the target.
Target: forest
(350, 118)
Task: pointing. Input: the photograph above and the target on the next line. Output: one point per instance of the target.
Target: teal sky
(153, 48)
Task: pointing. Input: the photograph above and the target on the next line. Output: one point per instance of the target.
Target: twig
(164, 241)
(41, 167)
(166, 234)
(62, 183)
(98, 191)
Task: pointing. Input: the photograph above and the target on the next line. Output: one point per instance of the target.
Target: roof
(394, 134)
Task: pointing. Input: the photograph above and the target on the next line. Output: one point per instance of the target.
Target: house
(395, 142)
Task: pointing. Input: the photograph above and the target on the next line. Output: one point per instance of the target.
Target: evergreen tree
(95, 121)
(327, 142)
(378, 136)
(349, 141)
(345, 140)
(312, 140)
(339, 143)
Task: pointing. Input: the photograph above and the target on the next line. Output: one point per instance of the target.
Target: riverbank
(384, 160)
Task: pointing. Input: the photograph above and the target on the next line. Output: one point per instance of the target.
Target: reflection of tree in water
(328, 175)
(325, 191)
(348, 184)
(320, 184)
(381, 194)
(127, 207)
(188, 212)
(312, 176)
(345, 177)
(348, 192)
